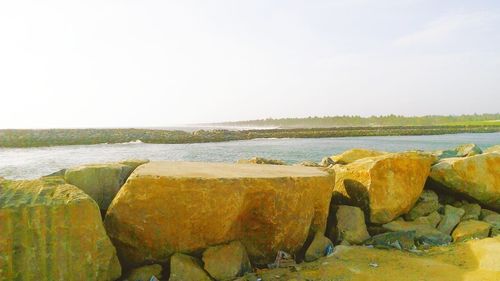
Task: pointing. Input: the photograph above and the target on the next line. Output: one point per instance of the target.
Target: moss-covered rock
(134, 163)
(145, 273)
(472, 211)
(466, 150)
(52, 231)
(184, 267)
(261, 160)
(318, 247)
(99, 181)
(427, 203)
(470, 229)
(227, 261)
(432, 219)
(424, 233)
(350, 225)
(451, 218)
(401, 240)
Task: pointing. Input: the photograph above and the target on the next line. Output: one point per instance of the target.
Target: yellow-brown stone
(475, 176)
(385, 186)
(168, 207)
(352, 155)
(471, 229)
(52, 231)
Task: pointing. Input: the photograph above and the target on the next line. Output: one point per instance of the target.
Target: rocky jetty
(361, 215)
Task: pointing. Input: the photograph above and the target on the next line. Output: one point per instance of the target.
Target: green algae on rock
(99, 181)
(52, 231)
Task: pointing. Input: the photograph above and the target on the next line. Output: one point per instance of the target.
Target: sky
(161, 63)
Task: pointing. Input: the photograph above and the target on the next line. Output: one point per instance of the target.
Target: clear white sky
(157, 63)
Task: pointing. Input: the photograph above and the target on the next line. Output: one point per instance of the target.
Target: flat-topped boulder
(476, 176)
(385, 186)
(168, 207)
(355, 154)
(50, 230)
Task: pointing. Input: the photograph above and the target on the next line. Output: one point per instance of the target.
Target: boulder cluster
(141, 221)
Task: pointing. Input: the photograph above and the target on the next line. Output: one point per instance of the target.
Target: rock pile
(357, 215)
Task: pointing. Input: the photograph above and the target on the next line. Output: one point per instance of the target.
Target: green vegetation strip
(53, 137)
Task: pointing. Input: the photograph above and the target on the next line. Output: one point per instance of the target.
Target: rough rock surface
(352, 155)
(495, 148)
(52, 231)
(466, 150)
(317, 249)
(326, 161)
(350, 225)
(486, 212)
(184, 268)
(472, 211)
(169, 207)
(432, 219)
(471, 229)
(144, 273)
(470, 261)
(134, 163)
(493, 219)
(99, 181)
(401, 240)
(451, 218)
(309, 164)
(427, 203)
(261, 160)
(475, 176)
(227, 261)
(385, 187)
(424, 233)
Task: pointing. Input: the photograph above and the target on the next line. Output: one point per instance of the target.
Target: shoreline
(26, 138)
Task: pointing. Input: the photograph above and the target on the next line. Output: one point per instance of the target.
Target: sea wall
(136, 220)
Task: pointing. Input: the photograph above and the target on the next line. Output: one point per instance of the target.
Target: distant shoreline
(13, 138)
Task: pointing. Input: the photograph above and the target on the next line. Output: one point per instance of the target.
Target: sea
(29, 163)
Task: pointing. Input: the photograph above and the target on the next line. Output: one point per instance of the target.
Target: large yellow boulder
(385, 186)
(52, 231)
(168, 207)
(475, 176)
(352, 155)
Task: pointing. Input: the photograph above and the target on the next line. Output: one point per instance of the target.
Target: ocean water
(18, 163)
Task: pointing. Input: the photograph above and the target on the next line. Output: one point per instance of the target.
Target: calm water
(35, 162)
